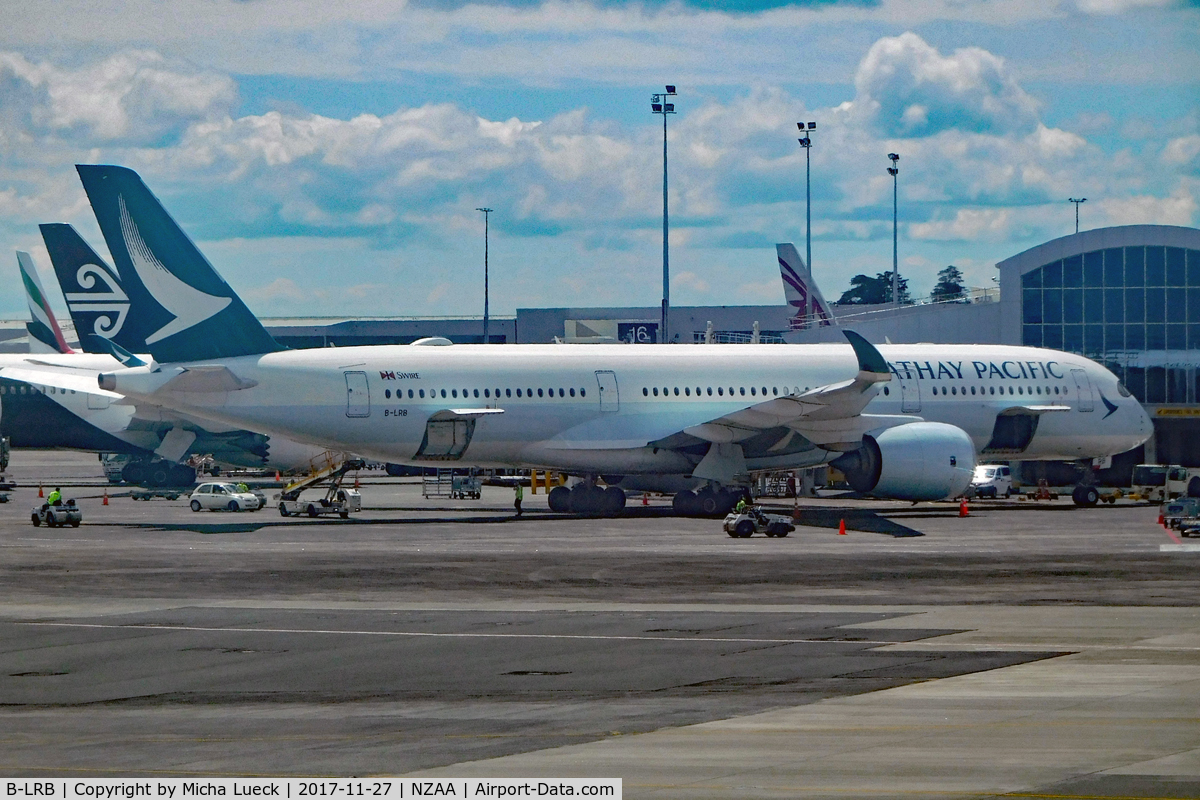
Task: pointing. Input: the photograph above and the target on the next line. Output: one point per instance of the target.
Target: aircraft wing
(82, 382)
(828, 416)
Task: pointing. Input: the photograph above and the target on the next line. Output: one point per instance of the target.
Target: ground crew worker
(520, 495)
(244, 488)
(55, 498)
(741, 504)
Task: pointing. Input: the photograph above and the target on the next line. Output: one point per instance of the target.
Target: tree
(949, 288)
(865, 290)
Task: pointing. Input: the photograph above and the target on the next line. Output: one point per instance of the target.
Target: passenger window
(387, 393)
(764, 391)
(687, 390)
(476, 392)
(572, 393)
(508, 392)
(561, 393)
(742, 390)
(710, 391)
(721, 390)
(752, 391)
(410, 394)
(991, 390)
(528, 392)
(775, 390)
(972, 390)
(656, 391)
(454, 392)
(443, 392)
(540, 394)
(953, 390)
(677, 391)
(885, 390)
(583, 392)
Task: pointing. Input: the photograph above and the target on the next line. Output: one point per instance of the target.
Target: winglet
(119, 353)
(869, 358)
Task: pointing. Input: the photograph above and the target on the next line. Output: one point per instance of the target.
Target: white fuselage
(376, 401)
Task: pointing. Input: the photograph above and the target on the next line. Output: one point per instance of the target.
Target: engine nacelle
(917, 461)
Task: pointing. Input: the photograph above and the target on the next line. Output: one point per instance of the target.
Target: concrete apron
(1125, 703)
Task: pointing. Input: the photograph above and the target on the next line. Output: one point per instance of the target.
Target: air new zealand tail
(176, 306)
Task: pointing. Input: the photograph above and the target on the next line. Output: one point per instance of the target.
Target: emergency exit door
(610, 399)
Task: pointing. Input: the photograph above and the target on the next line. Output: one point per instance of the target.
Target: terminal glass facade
(1135, 309)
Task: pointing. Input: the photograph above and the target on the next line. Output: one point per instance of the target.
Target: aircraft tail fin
(180, 308)
(801, 292)
(45, 336)
(95, 300)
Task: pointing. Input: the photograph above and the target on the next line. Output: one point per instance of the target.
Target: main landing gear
(588, 499)
(707, 502)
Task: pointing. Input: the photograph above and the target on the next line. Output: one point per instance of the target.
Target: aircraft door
(610, 398)
(446, 439)
(1084, 387)
(910, 391)
(358, 395)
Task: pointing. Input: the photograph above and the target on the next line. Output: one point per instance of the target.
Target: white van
(992, 480)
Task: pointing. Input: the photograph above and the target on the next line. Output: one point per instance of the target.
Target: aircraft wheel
(559, 499)
(195, 504)
(583, 499)
(1085, 496)
(159, 474)
(614, 501)
(181, 475)
(728, 498)
(134, 472)
(283, 512)
(708, 503)
(684, 503)
(745, 529)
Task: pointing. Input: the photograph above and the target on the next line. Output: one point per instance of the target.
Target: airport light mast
(894, 171)
(486, 212)
(659, 105)
(806, 129)
(1077, 202)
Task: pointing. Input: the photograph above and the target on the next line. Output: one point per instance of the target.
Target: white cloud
(907, 86)
(1112, 7)
(1178, 209)
(1183, 152)
(133, 96)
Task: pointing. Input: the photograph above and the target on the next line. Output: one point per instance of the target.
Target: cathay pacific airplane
(902, 421)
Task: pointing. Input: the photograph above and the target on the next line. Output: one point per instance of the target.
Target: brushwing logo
(808, 310)
(1111, 406)
(103, 296)
(189, 306)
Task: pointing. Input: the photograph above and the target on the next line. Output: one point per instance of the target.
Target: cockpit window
(1123, 391)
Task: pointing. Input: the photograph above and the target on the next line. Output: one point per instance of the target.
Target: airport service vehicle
(1183, 514)
(992, 480)
(1159, 483)
(744, 524)
(900, 421)
(337, 500)
(223, 497)
(58, 515)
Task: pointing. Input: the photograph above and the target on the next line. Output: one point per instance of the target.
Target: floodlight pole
(659, 105)
(806, 143)
(486, 212)
(894, 171)
(1077, 202)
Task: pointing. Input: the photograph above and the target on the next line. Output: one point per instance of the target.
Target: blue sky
(329, 160)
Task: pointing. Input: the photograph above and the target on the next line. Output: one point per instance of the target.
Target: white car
(992, 480)
(223, 497)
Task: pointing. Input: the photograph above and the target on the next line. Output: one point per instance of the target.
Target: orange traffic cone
(355, 481)
(277, 476)
(40, 492)
(962, 508)
(645, 499)
(104, 502)
(842, 528)
(795, 513)
(1161, 521)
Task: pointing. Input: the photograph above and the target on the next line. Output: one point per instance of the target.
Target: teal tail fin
(179, 305)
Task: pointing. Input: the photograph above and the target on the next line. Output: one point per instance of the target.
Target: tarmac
(1028, 650)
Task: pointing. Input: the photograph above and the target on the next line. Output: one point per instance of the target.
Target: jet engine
(917, 461)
